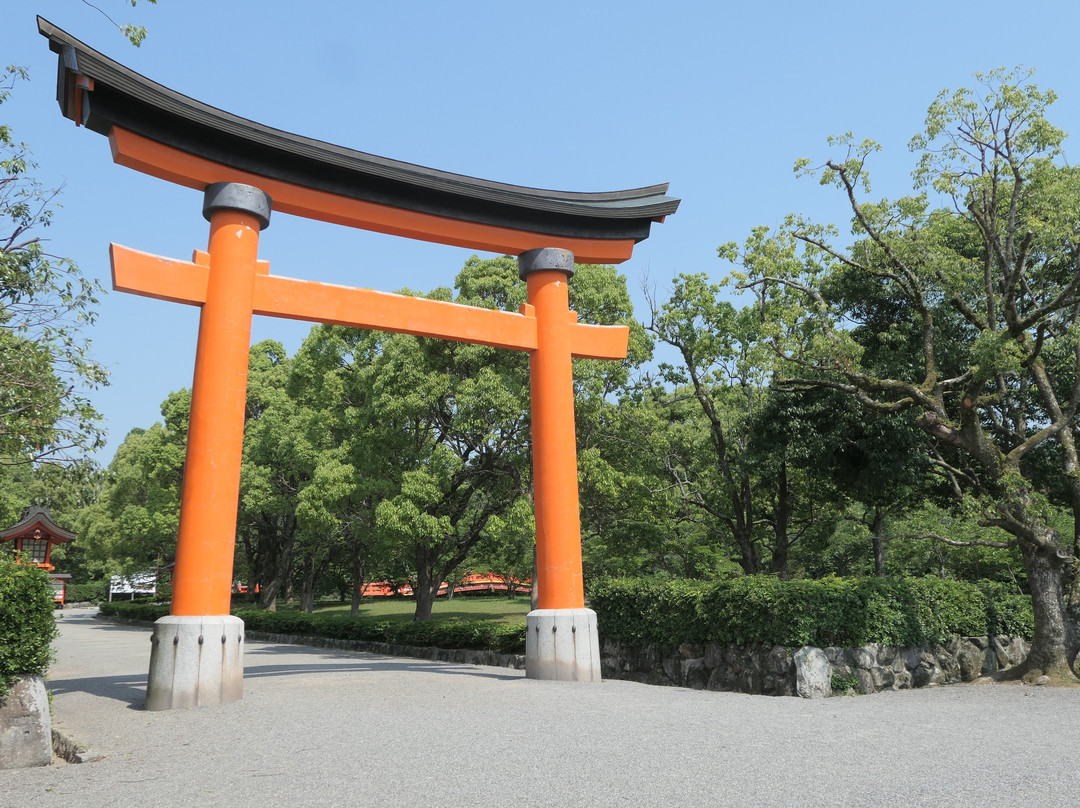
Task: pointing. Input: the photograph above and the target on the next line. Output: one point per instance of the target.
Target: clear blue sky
(717, 98)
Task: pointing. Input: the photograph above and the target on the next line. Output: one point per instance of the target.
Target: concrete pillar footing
(562, 645)
(195, 661)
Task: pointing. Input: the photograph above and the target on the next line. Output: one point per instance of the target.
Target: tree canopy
(959, 302)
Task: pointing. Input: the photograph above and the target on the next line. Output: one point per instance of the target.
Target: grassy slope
(498, 609)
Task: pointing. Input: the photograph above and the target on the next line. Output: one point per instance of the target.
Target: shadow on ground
(259, 663)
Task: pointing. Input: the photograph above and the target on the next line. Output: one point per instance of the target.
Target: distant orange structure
(34, 536)
(471, 583)
(246, 169)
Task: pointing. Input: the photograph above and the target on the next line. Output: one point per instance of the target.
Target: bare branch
(997, 545)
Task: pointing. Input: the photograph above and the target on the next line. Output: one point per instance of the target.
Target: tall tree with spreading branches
(960, 302)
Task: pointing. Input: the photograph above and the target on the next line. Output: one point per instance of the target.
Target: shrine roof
(33, 518)
(106, 97)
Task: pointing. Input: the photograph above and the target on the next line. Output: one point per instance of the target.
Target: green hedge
(1009, 613)
(649, 609)
(27, 626)
(763, 610)
(480, 635)
(134, 609)
(92, 592)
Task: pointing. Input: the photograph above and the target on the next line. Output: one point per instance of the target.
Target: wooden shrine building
(33, 538)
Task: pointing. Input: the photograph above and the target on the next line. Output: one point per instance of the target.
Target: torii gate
(246, 169)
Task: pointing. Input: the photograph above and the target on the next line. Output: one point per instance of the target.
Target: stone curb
(67, 749)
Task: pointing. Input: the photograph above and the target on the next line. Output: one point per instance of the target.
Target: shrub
(947, 609)
(92, 592)
(134, 609)
(479, 635)
(763, 610)
(1010, 613)
(648, 610)
(27, 627)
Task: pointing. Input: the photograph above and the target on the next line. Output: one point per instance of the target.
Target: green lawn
(500, 609)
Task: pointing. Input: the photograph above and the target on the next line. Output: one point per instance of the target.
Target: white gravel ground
(326, 728)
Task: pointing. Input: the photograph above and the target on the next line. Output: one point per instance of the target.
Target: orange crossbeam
(153, 276)
(173, 165)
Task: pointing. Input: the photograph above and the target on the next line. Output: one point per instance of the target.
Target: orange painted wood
(384, 311)
(153, 276)
(202, 581)
(167, 163)
(148, 275)
(599, 341)
(555, 476)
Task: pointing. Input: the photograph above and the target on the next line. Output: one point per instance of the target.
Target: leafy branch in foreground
(45, 364)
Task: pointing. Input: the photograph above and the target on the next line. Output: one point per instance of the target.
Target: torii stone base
(195, 661)
(562, 645)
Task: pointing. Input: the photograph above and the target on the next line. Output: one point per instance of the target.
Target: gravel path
(328, 728)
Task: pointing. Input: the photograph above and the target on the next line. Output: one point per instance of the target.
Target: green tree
(453, 419)
(45, 365)
(333, 373)
(639, 513)
(67, 491)
(983, 318)
(277, 465)
(751, 491)
(861, 465)
(133, 524)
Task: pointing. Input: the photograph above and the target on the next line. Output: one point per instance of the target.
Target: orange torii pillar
(197, 653)
(561, 640)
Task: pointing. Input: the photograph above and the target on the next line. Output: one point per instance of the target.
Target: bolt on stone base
(195, 661)
(562, 645)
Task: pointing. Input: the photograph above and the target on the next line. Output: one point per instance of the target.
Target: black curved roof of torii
(125, 99)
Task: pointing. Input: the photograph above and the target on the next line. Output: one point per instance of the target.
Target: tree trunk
(749, 557)
(877, 536)
(276, 544)
(268, 598)
(357, 583)
(425, 587)
(785, 504)
(307, 596)
(1054, 646)
(424, 592)
(276, 574)
(742, 501)
(312, 573)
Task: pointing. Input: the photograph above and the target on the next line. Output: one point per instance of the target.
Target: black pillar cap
(235, 196)
(544, 259)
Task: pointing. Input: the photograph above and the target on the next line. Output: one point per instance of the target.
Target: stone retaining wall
(811, 672)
